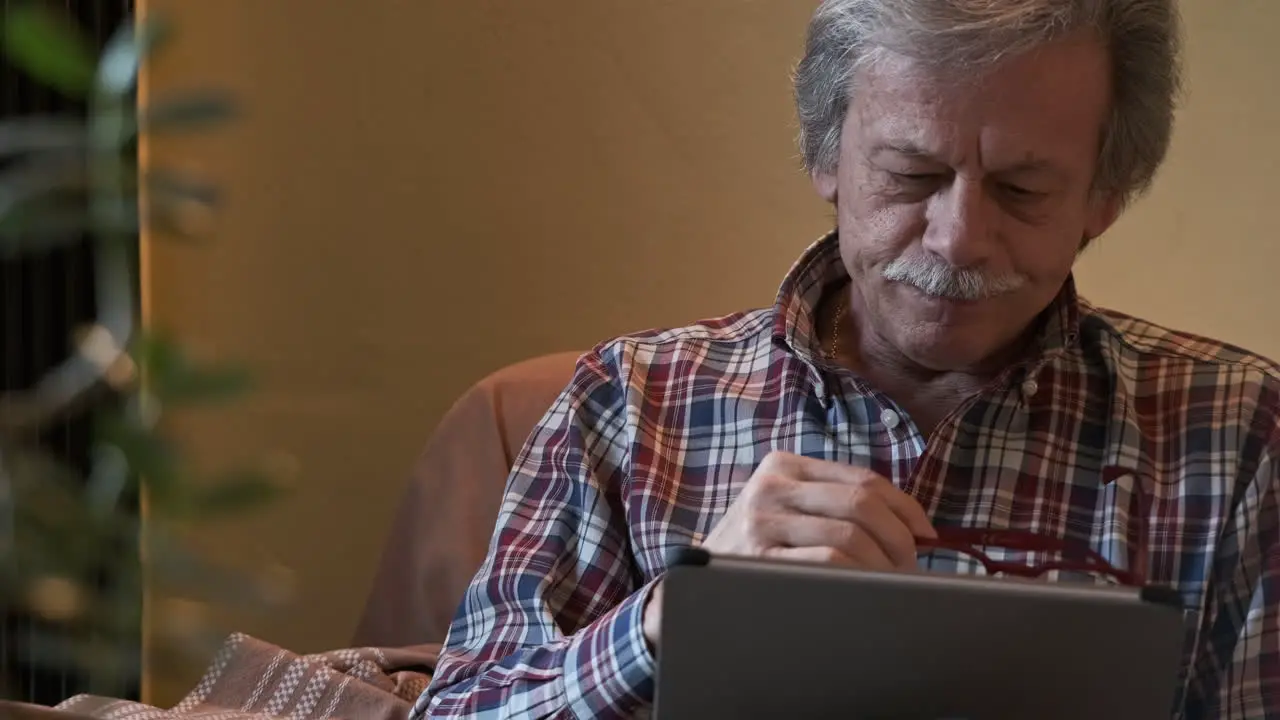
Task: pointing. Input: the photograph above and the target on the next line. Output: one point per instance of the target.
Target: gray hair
(1142, 36)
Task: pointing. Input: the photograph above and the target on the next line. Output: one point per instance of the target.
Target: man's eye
(1021, 193)
(917, 177)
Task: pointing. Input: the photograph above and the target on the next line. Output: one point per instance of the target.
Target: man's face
(962, 201)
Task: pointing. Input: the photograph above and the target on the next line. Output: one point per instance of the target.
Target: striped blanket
(253, 680)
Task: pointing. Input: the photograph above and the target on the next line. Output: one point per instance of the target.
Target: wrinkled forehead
(1053, 102)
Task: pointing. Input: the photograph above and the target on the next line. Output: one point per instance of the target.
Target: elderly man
(927, 365)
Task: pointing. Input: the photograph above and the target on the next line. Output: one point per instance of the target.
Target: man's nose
(961, 223)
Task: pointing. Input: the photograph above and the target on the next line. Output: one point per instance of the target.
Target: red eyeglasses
(1070, 557)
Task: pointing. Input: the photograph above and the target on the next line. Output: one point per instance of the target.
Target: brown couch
(446, 515)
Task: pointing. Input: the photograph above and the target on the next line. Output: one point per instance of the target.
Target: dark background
(42, 299)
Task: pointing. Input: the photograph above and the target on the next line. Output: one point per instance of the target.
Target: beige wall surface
(1202, 251)
(422, 191)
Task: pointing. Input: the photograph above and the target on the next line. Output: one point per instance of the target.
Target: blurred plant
(69, 539)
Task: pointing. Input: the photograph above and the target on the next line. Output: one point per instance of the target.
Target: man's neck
(927, 395)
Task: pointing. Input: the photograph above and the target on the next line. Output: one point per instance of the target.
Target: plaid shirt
(1117, 432)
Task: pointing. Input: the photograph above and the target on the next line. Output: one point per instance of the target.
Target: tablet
(776, 639)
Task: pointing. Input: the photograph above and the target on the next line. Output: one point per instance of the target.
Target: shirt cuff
(609, 667)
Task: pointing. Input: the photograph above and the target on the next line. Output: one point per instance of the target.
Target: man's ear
(825, 183)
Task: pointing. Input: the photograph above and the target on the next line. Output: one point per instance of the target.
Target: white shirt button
(1030, 388)
(889, 418)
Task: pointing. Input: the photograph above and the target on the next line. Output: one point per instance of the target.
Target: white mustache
(933, 276)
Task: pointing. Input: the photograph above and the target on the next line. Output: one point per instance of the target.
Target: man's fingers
(824, 555)
(861, 507)
(909, 512)
(799, 502)
(896, 541)
(811, 471)
(847, 537)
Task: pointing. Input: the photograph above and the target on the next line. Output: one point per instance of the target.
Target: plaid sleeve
(551, 624)
(1237, 664)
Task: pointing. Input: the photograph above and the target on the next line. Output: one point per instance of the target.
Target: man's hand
(804, 509)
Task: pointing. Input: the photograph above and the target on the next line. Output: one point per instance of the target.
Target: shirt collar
(1060, 327)
(796, 306)
(820, 267)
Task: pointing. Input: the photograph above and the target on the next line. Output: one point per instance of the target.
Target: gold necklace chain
(835, 326)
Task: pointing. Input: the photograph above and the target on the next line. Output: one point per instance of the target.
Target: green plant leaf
(54, 530)
(157, 353)
(154, 458)
(174, 380)
(193, 110)
(49, 47)
(233, 494)
(50, 223)
(207, 385)
(42, 224)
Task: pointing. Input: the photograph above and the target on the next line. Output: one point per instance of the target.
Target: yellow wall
(422, 191)
(1202, 252)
